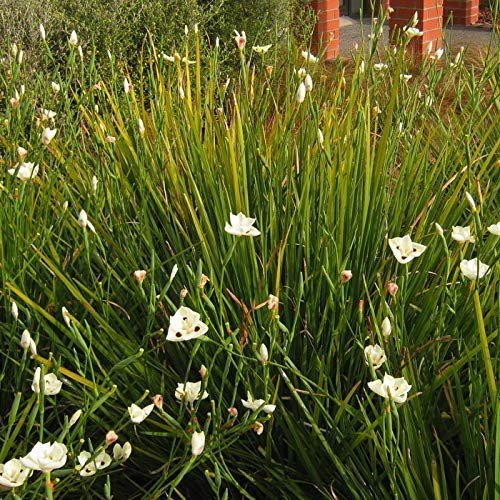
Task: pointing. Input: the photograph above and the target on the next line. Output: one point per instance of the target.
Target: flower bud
(14, 311)
(392, 288)
(42, 32)
(142, 128)
(202, 371)
(184, 293)
(198, 443)
(139, 275)
(439, 229)
(301, 93)
(158, 401)
(263, 354)
(66, 316)
(233, 412)
(204, 279)
(73, 38)
(345, 275)
(386, 327)
(25, 339)
(258, 428)
(111, 437)
(273, 302)
(471, 201)
(75, 417)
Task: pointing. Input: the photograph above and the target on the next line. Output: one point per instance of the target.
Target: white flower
(462, 234)
(391, 388)
(376, 355)
(73, 38)
(25, 171)
(185, 324)
(47, 114)
(474, 269)
(273, 302)
(88, 466)
(168, 58)
(47, 135)
(255, 404)
(386, 327)
(75, 417)
(263, 354)
(406, 78)
(121, 453)
(261, 49)
(437, 55)
(55, 87)
(42, 32)
(190, 392)
(138, 414)
(380, 66)
(84, 222)
(301, 93)
(240, 39)
(14, 310)
(309, 57)
(405, 250)
(241, 225)
(52, 384)
(46, 457)
(413, 32)
(25, 339)
(494, 229)
(13, 474)
(197, 443)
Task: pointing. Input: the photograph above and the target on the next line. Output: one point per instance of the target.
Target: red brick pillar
(326, 36)
(430, 22)
(463, 12)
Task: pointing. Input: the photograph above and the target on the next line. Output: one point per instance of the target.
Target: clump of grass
(157, 164)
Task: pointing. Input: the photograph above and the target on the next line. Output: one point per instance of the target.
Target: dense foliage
(141, 174)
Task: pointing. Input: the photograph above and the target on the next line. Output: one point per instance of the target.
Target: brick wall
(327, 32)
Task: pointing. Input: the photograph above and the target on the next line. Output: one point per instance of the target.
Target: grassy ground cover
(250, 349)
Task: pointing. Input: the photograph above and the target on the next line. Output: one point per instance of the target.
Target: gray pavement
(476, 38)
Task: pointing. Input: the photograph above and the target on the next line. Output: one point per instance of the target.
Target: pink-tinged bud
(345, 275)
(392, 288)
(203, 371)
(233, 411)
(184, 293)
(14, 102)
(139, 275)
(158, 401)
(111, 437)
(241, 39)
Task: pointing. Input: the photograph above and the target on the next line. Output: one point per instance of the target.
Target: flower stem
(490, 376)
(48, 486)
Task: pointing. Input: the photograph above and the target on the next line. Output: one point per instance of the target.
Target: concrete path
(353, 31)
